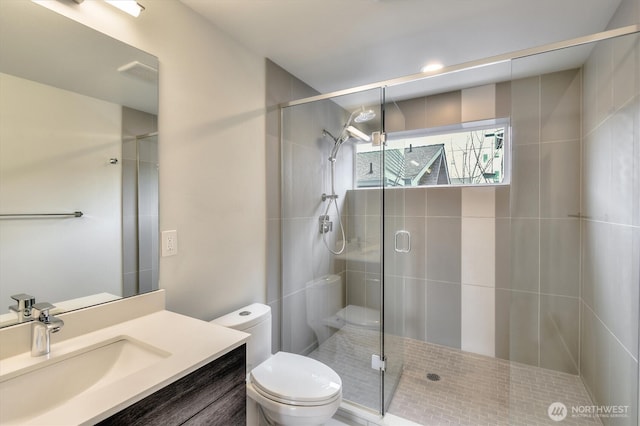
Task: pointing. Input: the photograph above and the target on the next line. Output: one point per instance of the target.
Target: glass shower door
(332, 241)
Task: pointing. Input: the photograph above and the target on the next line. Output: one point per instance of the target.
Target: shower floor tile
(471, 390)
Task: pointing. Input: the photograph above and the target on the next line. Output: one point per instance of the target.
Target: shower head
(365, 115)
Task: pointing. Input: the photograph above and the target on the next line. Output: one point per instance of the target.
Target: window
(467, 154)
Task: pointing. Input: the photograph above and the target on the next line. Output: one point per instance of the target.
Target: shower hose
(333, 199)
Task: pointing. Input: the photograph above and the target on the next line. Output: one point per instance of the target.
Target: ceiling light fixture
(434, 66)
(132, 7)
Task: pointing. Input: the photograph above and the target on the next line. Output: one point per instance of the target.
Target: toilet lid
(296, 378)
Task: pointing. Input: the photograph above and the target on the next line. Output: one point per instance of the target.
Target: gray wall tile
(523, 327)
(444, 202)
(503, 253)
(559, 333)
(525, 181)
(525, 265)
(443, 313)
(560, 106)
(414, 112)
(623, 377)
(444, 109)
(560, 179)
(503, 313)
(415, 296)
(413, 264)
(525, 110)
(560, 256)
(443, 249)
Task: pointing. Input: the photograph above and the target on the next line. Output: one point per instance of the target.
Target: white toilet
(288, 389)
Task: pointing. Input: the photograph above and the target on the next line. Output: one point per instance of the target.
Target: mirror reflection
(78, 164)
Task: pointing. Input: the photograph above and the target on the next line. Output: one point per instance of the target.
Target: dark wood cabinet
(214, 394)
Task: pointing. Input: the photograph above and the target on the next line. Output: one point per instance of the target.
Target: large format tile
(625, 136)
(560, 256)
(560, 106)
(412, 264)
(297, 252)
(560, 179)
(478, 251)
(618, 302)
(523, 327)
(525, 181)
(623, 386)
(478, 320)
(444, 202)
(443, 249)
(525, 252)
(443, 313)
(559, 333)
(525, 111)
(479, 201)
(415, 297)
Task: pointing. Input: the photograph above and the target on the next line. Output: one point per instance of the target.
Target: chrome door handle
(405, 236)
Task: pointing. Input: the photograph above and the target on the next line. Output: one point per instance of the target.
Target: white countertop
(191, 344)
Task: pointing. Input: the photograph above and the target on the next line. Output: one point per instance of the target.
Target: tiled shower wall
(292, 221)
(611, 224)
(492, 270)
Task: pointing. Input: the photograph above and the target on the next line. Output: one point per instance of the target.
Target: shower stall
(463, 247)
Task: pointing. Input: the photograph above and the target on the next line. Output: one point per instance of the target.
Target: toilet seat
(296, 380)
(360, 316)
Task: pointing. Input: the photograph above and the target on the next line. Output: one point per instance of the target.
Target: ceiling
(339, 44)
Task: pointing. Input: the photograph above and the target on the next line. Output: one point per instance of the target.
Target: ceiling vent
(140, 71)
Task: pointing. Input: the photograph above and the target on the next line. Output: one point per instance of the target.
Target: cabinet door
(215, 394)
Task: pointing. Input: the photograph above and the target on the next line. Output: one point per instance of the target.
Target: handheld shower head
(358, 134)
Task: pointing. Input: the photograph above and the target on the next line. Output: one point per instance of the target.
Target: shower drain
(433, 377)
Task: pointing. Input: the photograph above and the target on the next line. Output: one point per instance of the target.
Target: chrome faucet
(42, 327)
(23, 307)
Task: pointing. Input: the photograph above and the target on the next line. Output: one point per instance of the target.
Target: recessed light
(431, 67)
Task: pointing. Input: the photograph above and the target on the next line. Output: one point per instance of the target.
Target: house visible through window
(465, 154)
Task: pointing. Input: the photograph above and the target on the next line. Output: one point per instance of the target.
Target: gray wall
(537, 313)
(292, 221)
(611, 224)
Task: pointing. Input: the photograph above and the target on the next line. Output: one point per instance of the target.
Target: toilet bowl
(360, 316)
(285, 388)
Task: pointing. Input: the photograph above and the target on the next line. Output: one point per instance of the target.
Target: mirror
(78, 133)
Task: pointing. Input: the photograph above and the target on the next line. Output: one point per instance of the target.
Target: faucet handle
(24, 305)
(41, 310)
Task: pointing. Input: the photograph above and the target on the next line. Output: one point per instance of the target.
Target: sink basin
(40, 387)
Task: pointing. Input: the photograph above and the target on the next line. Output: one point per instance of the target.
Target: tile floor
(472, 390)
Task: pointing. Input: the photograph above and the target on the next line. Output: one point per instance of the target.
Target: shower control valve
(325, 225)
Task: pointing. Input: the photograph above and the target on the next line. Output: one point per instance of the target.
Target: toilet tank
(254, 319)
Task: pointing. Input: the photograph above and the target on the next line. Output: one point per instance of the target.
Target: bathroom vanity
(213, 395)
(125, 362)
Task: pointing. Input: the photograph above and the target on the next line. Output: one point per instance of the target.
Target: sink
(40, 387)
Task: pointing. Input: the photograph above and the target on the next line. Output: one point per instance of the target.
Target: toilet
(285, 388)
(323, 299)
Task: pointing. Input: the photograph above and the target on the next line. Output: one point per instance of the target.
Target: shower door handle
(403, 237)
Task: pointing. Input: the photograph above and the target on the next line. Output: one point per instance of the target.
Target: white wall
(65, 171)
(211, 152)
